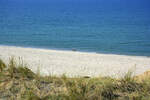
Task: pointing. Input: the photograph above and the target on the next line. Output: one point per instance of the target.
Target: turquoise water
(103, 26)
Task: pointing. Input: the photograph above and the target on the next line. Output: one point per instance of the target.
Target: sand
(74, 63)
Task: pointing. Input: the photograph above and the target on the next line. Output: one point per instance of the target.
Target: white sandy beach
(55, 62)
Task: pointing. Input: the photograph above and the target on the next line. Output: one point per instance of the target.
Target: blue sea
(102, 26)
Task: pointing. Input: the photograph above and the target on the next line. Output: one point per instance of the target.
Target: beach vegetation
(18, 82)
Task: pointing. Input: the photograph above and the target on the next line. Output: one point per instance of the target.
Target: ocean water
(103, 26)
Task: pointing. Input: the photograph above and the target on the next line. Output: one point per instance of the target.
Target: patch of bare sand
(58, 62)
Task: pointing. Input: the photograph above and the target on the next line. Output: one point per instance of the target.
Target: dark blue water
(105, 26)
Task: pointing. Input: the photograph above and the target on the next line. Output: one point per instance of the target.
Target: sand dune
(72, 63)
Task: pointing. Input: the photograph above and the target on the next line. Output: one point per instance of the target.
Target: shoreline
(76, 63)
(76, 50)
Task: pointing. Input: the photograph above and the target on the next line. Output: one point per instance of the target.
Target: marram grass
(18, 82)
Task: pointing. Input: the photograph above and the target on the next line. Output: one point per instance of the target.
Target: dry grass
(17, 82)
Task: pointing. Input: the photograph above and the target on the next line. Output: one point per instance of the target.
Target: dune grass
(18, 82)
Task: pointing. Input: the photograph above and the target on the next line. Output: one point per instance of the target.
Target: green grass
(18, 82)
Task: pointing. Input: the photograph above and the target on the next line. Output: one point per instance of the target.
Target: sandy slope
(76, 63)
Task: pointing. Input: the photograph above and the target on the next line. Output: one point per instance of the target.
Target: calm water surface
(105, 26)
